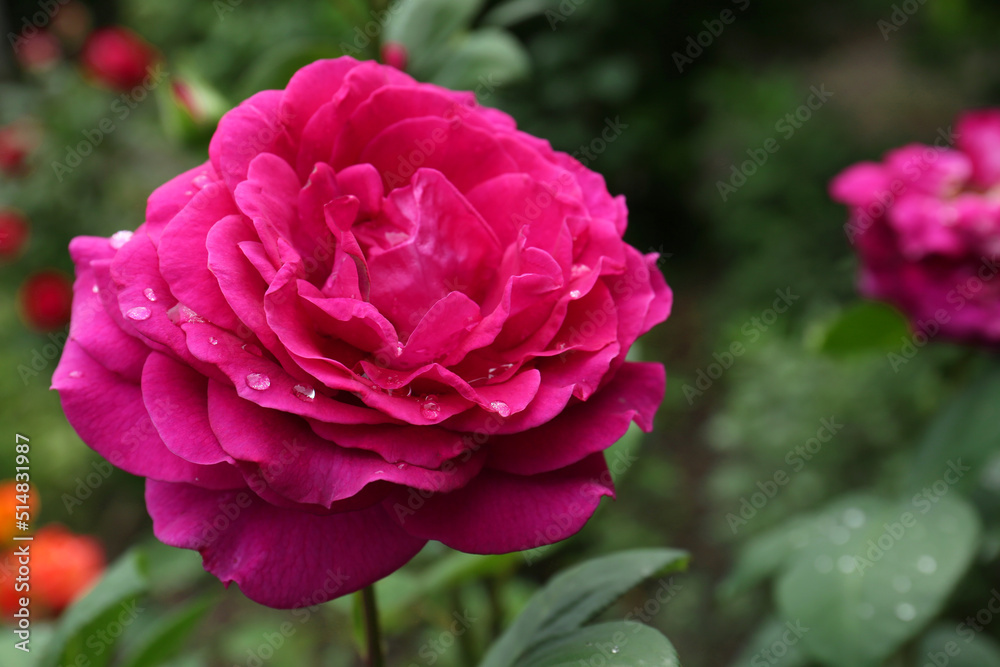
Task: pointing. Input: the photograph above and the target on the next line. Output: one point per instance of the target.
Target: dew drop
(304, 392)
(823, 564)
(927, 564)
(213, 340)
(500, 408)
(579, 269)
(118, 239)
(139, 313)
(200, 181)
(854, 518)
(901, 583)
(95, 289)
(75, 374)
(906, 611)
(846, 564)
(429, 409)
(258, 381)
(181, 314)
(575, 294)
(401, 466)
(615, 650)
(399, 349)
(149, 293)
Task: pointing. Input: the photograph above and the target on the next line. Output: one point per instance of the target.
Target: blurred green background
(693, 107)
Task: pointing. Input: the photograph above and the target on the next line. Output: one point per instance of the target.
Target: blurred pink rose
(926, 224)
(378, 315)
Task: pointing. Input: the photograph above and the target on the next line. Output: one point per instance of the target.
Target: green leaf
(424, 27)
(763, 555)
(874, 573)
(514, 11)
(484, 60)
(93, 624)
(867, 327)
(577, 595)
(958, 646)
(760, 648)
(967, 430)
(619, 644)
(166, 638)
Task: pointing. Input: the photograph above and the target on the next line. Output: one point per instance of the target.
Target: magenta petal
(109, 415)
(168, 199)
(176, 397)
(310, 88)
(255, 126)
(634, 394)
(499, 512)
(280, 558)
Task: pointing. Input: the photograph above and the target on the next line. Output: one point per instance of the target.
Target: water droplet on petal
(149, 293)
(252, 349)
(95, 289)
(200, 181)
(75, 374)
(181, 314)
(399, 349)
(258, 381)
(213, 340)
(901, 583)
(139, 313)
(579, 269)
(927, 564)
(575, 294)
(401, 466)
(429, 409)
(906, 611)
(304, 392)
(118, 239)
(500, 408)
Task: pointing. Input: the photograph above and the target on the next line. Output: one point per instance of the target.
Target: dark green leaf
(619, 644)
(92, 625)
(577, 595)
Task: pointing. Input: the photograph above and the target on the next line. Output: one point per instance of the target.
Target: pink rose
(926, 223)
(378, 315)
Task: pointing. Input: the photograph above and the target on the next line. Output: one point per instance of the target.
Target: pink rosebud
(394, 54)
(117, 58)
(17, 141)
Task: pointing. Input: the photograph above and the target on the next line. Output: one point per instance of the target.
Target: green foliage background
(568, 73)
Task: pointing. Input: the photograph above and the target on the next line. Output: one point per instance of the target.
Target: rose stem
(374, 637)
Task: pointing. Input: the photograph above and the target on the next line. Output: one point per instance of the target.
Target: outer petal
(281, 558)
(499, 512)
(109, 415)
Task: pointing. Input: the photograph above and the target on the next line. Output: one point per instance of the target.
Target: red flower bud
(46, 298)
(117, 58)
(14, 233)
(394, 54)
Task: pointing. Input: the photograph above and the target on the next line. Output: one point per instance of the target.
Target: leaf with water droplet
(602, 644)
